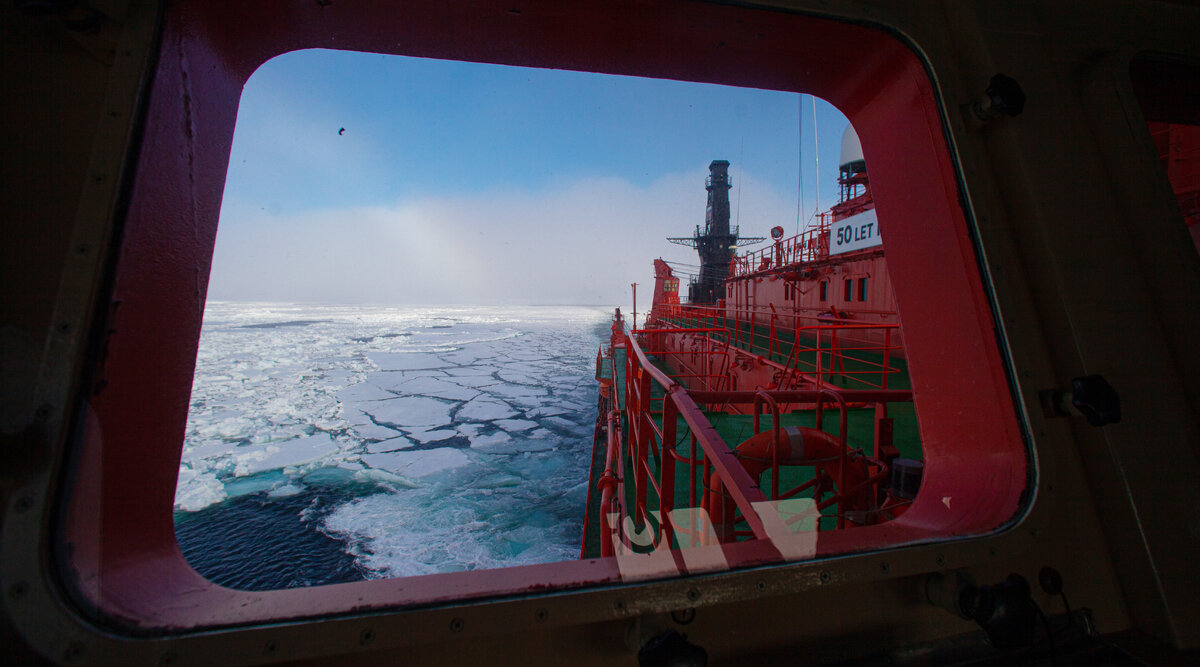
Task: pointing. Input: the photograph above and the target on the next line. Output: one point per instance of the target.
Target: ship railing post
(820, 363)
(692, 471)
(645, 433)
(887, 351)
(773, 345)
(666, 470)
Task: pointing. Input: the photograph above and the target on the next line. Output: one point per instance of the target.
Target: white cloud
(582, 242)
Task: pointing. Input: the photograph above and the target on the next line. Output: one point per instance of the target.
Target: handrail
(808, 246)
(678, 403)
(720, 461)
(831, 341)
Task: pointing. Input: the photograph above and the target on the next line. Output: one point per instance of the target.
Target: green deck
(734, 429)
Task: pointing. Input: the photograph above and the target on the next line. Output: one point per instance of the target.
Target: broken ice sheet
(326, 379)
(409, 411)
(436, 387)
(484, 409)
(389, 445)
(426, 436)
(513, 425)
(363, 392)
(418, 464)
(259, 458)
(406, 361)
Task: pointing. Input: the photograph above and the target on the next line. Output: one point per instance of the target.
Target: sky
(364, 178)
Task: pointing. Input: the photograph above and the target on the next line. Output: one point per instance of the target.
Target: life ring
(799, 445)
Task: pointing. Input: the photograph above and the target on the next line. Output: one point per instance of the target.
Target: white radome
(851, 147)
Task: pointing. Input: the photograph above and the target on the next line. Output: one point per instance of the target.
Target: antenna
(799, 156)
(816, 156)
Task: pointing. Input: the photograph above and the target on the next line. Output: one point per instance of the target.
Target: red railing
(808, 246)
(648, 441)
(712, 347)
(815, 348)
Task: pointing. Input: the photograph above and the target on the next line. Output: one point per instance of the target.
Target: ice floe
(418, 464)
(259, 458)
(194, 491)
(363, 392)
(436, 387)
(491, 441)
(389, 445)
(486, 409)
(513, 425)
(409, 411)
(426, 436)
(406, 361)
(373, 431)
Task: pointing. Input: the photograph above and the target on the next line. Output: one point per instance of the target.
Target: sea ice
(517, 391)
(475, 381)
(363, 392)
(389, 445)
(406, 361)
(410, 411)
(259, 458)
(546, 411)
(418, 464)
(492, 441)
(468, 354)
(484, 409)
(211, 449)
(354, 416)
(469, 429)
(436, 387)
(373, 475)
(425, 436)
(517, 376)
(269, 389)
(475, 369)
(371, 431)
(514, 425)
(561, 423)
(196, 490)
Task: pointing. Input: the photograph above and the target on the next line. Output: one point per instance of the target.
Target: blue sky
(469, 183)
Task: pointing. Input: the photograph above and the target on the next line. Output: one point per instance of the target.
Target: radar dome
(851, 148)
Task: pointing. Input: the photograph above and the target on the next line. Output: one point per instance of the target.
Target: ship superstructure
(787, 382)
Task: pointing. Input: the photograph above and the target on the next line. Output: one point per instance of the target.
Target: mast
(716, 243)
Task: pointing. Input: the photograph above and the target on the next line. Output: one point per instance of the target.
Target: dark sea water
(258, 543)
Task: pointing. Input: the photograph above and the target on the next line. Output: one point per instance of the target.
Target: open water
(334, 443)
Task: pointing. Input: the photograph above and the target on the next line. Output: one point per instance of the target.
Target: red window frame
(117, 547)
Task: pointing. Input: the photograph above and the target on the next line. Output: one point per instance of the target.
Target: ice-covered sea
(332, 443)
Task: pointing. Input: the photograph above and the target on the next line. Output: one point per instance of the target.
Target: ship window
(462, 418)
(862, 289)
(849, 288)
(119, 525)
(787, 291)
